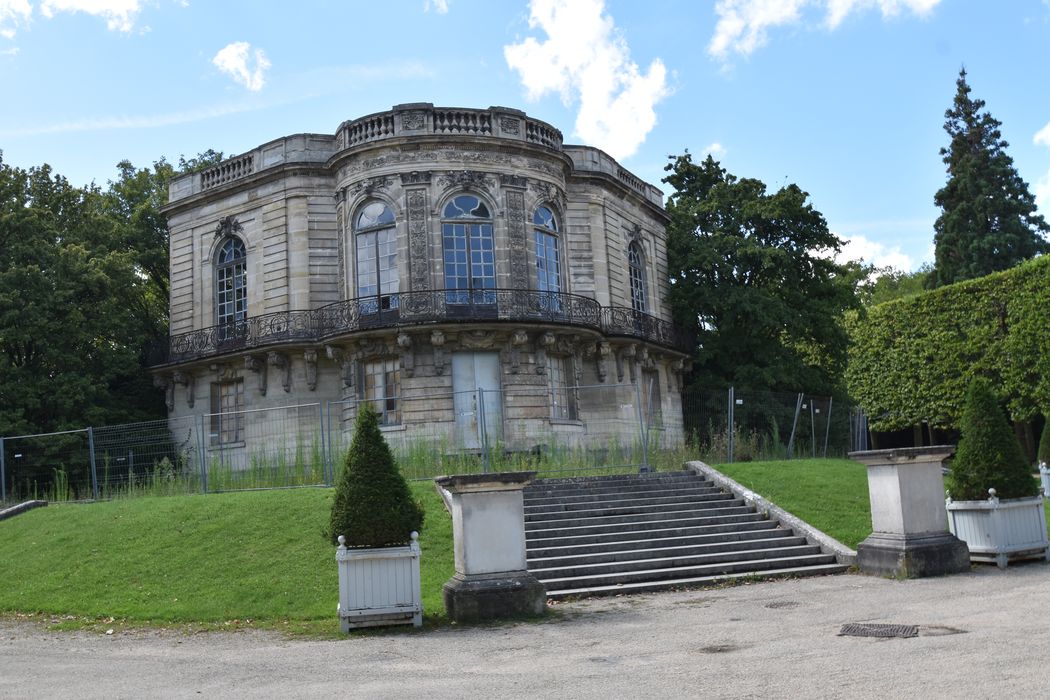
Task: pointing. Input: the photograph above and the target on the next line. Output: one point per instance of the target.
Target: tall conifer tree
(988, 218)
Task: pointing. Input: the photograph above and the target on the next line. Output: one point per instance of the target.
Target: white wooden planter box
(379, 586)
(998, 531)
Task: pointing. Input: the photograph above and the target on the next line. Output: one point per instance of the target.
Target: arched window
(548, 258)
(469, 255)
(376, 240)
(636, 270)
(231, 286)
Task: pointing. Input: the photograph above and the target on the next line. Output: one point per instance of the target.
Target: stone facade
(406, 251)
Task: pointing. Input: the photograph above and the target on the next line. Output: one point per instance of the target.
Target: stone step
(643, 542)
(723, 500)
(718, 508)
(563, 592)
(659, 501)
(610, 497)
(624, 569)
(557, 538)
(614, 479)
(542, 491)
(662, 549)
(666, 574)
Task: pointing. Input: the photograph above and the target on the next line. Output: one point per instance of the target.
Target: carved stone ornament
(310, 358)
(517, 239)
(257, 365)
(508, 180)
(603, 352)
(227, 226)
(164, 382)
(517, 342)
(416, 177)
(677, 371)
(437, 340)
(346, 364)
(635, 234)
(466, 179)
(413, 121)
(187, 380)
(369, 186)
(408, 356)
(280, 361)
(510, 125)
(418, 259)
(546, 343)
(223, 372)
(477, 340)
(548, 192)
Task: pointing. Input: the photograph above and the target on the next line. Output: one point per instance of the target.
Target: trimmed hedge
(373, 506)
(911, 359)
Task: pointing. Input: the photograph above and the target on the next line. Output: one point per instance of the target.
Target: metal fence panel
(51, 466)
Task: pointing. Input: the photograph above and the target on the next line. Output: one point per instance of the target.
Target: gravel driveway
(982, 634)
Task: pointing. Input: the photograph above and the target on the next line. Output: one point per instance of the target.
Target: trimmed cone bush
(1044, 443)
(989, 455)
(373, 506)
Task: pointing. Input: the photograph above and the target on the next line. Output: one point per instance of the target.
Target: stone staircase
(624, 534)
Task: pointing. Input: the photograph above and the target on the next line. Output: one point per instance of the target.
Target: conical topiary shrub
(373, 506)
(1044, 444)
(989, 455)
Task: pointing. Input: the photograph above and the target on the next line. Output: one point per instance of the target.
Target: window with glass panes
(548, 257)
(562, 387)
(381, 385)
(231, 286)
(376, 238)
(469, 254)
(636, 270)
(227, 412)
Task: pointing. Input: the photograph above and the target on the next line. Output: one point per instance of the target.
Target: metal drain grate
(865, 629)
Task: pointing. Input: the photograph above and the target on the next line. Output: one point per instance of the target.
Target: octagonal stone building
(477, 280)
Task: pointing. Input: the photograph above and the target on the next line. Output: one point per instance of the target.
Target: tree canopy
(753, 272)
(988, 219)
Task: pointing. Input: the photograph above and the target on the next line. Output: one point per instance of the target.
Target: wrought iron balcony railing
(404, 309)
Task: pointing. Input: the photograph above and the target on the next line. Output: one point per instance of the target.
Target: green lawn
(199, 560)
(830, 494)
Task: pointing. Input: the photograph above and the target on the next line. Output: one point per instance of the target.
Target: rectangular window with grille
(381, 385)
(227, 413)
(562, 389)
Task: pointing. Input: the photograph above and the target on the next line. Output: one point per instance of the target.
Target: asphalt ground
(981, 634)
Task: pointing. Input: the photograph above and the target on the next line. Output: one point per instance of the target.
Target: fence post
(91, 458)
(812, 427)
(203, 452)
(729, 427)
(3, 474)
(827, 428)
(483, 430)
(794, 426)
(643, 468)
(324, 449)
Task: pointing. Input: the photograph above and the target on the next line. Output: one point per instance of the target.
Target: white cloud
(234, 59)
(438, 6)
(119, 14)
(716, 150)
(586, 58)
(1042, 137)
(13, 51)
(1042, 186)
(743, 25)
(872, 252)
(13, 14)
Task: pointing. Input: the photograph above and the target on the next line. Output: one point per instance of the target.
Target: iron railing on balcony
(405, 309)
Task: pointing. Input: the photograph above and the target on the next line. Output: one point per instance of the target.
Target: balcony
(408, 309)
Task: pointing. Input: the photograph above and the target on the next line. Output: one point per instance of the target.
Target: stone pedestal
(488, 527)
(910, 535)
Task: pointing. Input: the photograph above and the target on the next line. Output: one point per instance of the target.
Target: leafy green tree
(71, 328)
(988, 218)
(373, 506)
(887, 284)
(1043, 455)
(989, 455)
(753, 272)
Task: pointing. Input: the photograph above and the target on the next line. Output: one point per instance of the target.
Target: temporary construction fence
(584, 430)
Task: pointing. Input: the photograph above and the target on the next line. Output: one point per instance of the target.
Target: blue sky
(846, 98)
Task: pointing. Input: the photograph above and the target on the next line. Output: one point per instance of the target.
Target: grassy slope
(201, 559)
(830, 494)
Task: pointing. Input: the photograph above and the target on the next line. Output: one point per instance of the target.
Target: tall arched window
(636, 270)
(548, 258)
(376, 240)
(469, 255)
(231, 286)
